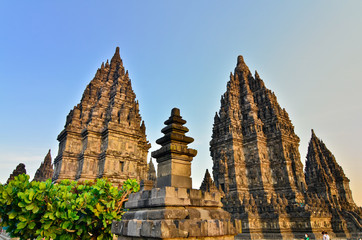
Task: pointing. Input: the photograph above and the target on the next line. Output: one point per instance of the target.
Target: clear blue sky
(180, 54)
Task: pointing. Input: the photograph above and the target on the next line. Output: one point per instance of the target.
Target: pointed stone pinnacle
(313, 134)
(45, 171)
(240, 60)
(241, 66)
(151, 171)
(48, 158)
(208, 184)
(116, 57)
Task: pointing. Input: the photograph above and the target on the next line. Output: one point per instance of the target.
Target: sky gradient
(180, 54)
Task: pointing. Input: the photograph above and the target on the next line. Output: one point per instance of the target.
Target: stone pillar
(174, 157)
(173, 210)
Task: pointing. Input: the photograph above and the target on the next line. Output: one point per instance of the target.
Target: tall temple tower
(254, 147)
(326, 177)
(104, 135)
(256, 162)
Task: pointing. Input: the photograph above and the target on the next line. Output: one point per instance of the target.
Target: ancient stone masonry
(256, 163)
(253, 146)
(173, 210)
(20, 169)
(45, 171)
(104, 135)
(325, 178)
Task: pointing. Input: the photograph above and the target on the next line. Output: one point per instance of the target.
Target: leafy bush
(67, 210)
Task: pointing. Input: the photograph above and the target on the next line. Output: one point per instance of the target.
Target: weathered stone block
(182, 193)
(134, 228)
(193, 213)
(213, 228)
(175, 213)
(195, 194)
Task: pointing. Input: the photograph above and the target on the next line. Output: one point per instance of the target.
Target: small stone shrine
(20, 169)
(45, 171)
(151, 171)
(173, 210)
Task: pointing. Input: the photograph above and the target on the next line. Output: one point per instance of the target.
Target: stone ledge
(168, 228)
(171, 196)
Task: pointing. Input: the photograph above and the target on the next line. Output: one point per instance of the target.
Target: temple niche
(256, 163)
(104, 135)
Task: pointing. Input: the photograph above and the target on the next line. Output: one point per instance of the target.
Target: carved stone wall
(104, 135)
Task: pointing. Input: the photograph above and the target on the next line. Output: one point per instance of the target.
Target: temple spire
(241, 67)
(107, 111)
(20, 169)
(45, 171)
(325, 177)
(208, 184)
(116, 59)
(151, 171)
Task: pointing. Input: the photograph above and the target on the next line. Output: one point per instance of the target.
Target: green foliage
(64, 211)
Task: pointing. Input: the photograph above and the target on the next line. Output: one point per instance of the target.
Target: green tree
(67, 210)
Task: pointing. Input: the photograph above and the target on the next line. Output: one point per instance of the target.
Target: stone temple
(20, 169)
(260, 189)
(326, 179)
(104, 135)
(256, 163)
(45, 171)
